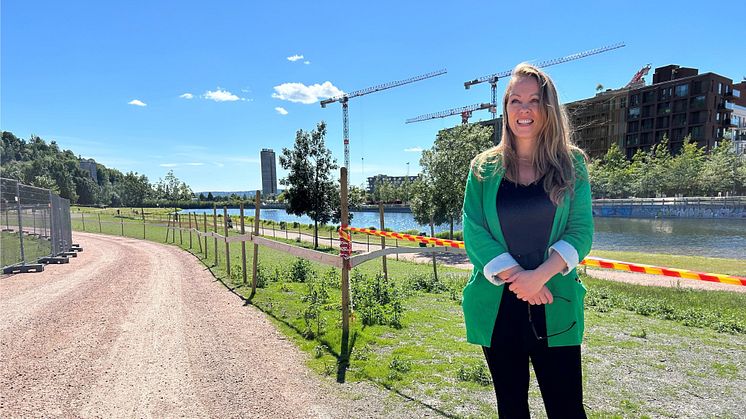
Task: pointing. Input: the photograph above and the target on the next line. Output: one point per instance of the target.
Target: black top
(526, 215)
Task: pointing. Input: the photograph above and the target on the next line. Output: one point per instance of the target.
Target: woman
(527, 223)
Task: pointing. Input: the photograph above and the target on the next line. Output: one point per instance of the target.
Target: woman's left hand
(526, 284)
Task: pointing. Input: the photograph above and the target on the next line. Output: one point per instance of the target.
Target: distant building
(269, 172)
(737, 131)
(89, 165)
(497, 128)
(395, 181)
(679, 102)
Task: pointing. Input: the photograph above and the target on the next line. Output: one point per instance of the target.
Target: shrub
(377, 300)
(457, 235)
(476, 373)
(316, 297)
(425, 281)
(301, 270)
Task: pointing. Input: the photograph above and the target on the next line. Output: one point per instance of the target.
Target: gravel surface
(132, 328)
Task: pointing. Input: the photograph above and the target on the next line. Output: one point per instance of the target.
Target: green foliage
(425, 281)
(457, 235)
(376, 300)
(474, 372)
(316, 296)
(301, 271)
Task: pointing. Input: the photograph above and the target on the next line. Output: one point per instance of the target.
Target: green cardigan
(573, 223)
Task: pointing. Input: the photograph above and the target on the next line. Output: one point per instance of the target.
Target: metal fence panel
(35, 225)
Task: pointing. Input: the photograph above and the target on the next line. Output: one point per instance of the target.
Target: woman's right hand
(544, 296)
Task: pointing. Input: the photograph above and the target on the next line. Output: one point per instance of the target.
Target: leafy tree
(720, 172)
(611, 176)
(210, 197)
(446, 167)
(685, 168)
(309, 180)
(87, 190)
(134, 189)
(650, 170)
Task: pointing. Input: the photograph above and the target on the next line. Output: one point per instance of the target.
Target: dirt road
(138, 329)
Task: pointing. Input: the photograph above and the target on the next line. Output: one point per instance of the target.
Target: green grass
(692, 263)
(33, 248)
(647, 349)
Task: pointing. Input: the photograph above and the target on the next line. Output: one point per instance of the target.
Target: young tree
(309, 180)
(446, 165)
(134, 189)
(720, 170)
(685, 169)
(610, 176)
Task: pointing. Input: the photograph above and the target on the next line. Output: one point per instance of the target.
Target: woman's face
(525, 118)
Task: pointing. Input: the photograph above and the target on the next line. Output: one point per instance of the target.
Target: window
(647, 111)
(634, 113)
(623, 102)
(697, 102)
(697, 117)
(634, 100)
(697, 87)
(720, 88)
(677, 134)
(660, 135)
(736, 93)
(679, 120)
(682, 90)
(632, 140)
(664, 93)
(647, 124)
(633, 126)
(648, 96)
(696, 133)
(646, 138)
(662, 122)
(664, 108)
(679, 106)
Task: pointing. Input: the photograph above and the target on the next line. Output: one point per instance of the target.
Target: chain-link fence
(35, 227)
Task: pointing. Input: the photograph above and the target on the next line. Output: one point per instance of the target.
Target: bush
(316, 297)
(377, 300)
(301, 271)
(476, 373)
(425, 281)
(457, 235)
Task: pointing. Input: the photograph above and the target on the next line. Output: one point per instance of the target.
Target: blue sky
(78, 72)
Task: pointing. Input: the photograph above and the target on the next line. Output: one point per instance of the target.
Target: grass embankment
(648, 350)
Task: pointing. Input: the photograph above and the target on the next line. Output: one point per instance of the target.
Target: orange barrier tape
(588, 261)
(401, 236)
(656, 270)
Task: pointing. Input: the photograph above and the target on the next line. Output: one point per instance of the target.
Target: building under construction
(680, 102)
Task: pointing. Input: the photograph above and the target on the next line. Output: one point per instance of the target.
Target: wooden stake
(257, 205)
(215, 230)
(189, 218)
(345, 270)
(227, 245)
(99, 222)
(383, 242)
(243, 247)
(204, 223)
(432, 234)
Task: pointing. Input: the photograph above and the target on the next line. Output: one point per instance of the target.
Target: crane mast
(345, 98)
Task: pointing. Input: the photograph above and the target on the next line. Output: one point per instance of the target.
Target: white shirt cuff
(567, 253)
(495, 266)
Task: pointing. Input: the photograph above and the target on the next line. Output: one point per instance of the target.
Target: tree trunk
(315, 235)
(451, 227)
(435, 266)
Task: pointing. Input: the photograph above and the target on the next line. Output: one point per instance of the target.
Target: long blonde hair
(553, 158)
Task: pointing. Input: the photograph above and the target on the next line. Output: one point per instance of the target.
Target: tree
(650, 170)
(446, 166)
(611, 176)
(685, 169)
(210, 197)
(309, 180)
(720, 172)
(134, 189)
(87, 190)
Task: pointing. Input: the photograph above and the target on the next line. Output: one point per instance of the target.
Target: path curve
(132, 328)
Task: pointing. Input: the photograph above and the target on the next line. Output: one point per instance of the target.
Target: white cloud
(281, 110)
(220, 95)
(300, 93)
(306, 62)
(413, 150)
(136, 102)
(195, 164)
(168, 165)
(186, 96)
(295, 57)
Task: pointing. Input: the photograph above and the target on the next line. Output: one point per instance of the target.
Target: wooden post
(181, 236)
(189, 217)
(331, 243)
(432, 234)
(168, 227)
(383, 242)
(243, 247)
(345, 270)
(142, 213)
(227, 245)
(196, 226)
(215, 230)
(273, 229)
(99, 222)
(204, 220)
(257, 205)
(82, 218)
(121, 224)
(367, 236)
(397, 245)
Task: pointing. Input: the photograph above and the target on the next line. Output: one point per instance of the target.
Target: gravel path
(137, 329)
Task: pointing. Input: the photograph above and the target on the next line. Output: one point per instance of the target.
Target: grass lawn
(648, 350)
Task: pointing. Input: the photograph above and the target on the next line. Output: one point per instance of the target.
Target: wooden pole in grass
(168, 226)
(215, 230)
(345, 268)
(181, 236)
(243, 247)
(383, 242)
(82, 218)
(432, 234)
(189, 218)
(196, 226)
(204, 219)
(121, 224)
(142, 213)
(99, 222)
(227, 245)
(255, 262)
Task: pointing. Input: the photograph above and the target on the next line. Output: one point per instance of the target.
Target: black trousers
(558, 370)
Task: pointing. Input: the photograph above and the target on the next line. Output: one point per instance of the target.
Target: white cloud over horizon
(136, 102)
(220, 95)
(281, 110)
(295, 58)
(413, 150)
(306, 62)
(186, 96)
(300, 93)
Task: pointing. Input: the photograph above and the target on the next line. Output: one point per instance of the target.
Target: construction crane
(464, 111)
(493, 78)
(344, 99)
(637, 79)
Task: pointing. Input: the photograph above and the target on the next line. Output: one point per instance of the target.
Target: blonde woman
(527, 223)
